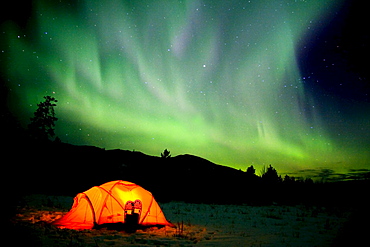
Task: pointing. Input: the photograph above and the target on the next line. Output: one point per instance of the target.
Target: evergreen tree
(271, 175)
(251, 171)
(43, 123)
(288, 179)
(166, 154)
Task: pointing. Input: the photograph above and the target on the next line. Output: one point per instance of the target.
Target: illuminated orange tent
(114, 202)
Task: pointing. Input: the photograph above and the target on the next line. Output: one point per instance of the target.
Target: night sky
(237, 82)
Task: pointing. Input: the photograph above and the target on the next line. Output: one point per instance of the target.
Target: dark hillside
(65, 169)
(59, 168)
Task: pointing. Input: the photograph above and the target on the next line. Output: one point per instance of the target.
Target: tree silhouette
(271, 175)
(166, 154)
(251, 171)
(251, 179)
(289, 180)
(43, 123)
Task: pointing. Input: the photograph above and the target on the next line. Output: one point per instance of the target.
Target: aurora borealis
(219, 79)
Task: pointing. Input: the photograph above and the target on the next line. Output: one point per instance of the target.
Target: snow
(198, 224)
(259, 226)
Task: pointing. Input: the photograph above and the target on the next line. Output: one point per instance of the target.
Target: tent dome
(113, 202)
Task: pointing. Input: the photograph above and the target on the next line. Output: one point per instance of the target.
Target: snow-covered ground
(198, 224)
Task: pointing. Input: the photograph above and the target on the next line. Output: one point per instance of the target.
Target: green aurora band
(214, 79)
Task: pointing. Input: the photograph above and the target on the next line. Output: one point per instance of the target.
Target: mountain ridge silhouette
(66, 169)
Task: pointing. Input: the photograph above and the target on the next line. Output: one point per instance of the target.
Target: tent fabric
(110, 203)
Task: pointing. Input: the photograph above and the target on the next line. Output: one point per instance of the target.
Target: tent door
(132, 214)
